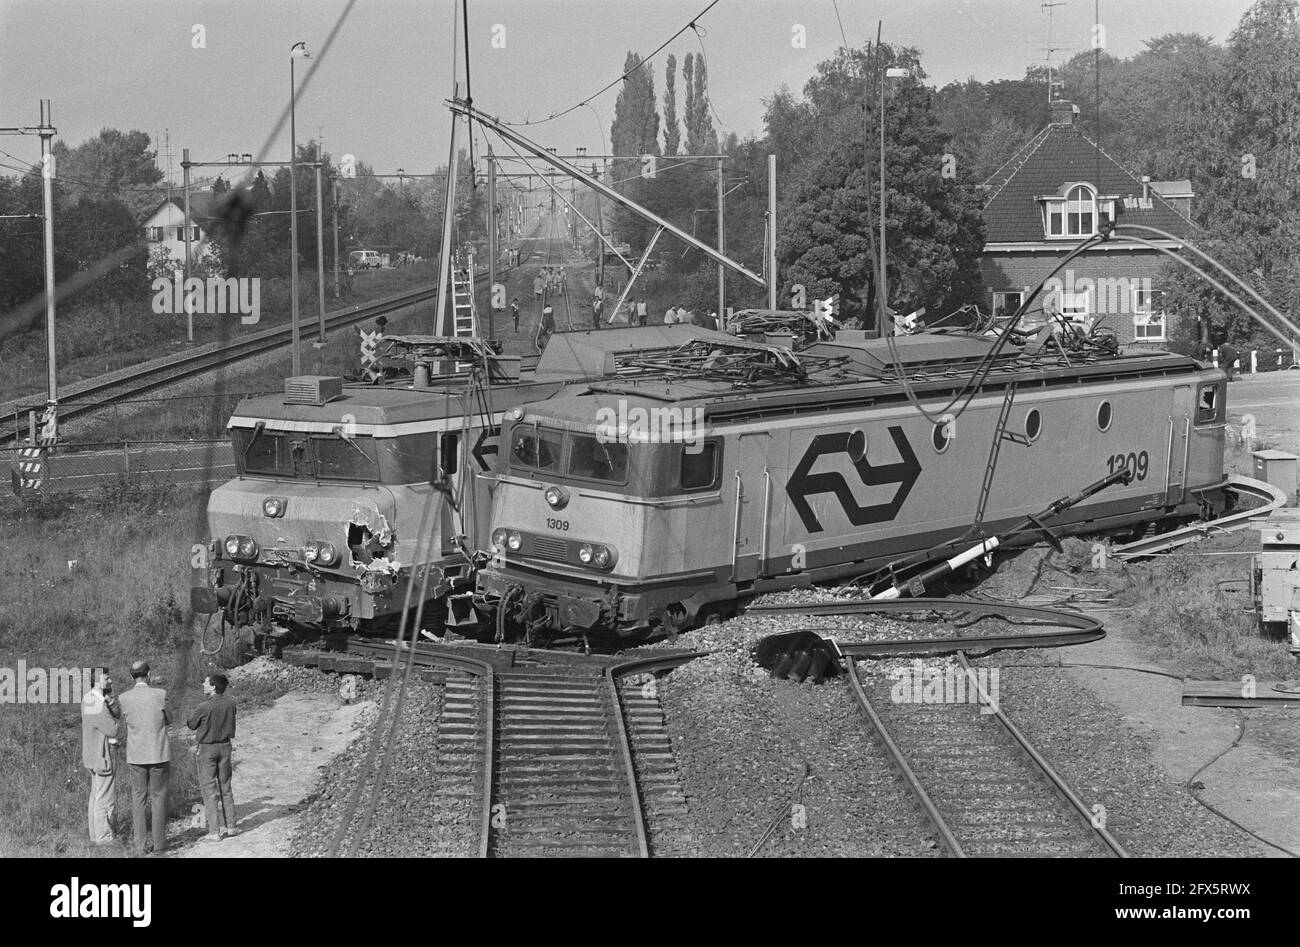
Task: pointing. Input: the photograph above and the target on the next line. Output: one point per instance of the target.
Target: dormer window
(1078, 213)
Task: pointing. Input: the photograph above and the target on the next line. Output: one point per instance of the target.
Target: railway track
(122, 386)
(549, 760)
(984, 788)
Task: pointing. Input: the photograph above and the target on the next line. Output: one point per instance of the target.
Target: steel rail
(482, 670)
(611, 675)
(1041, 763)
(1273, 498)
(189, 364)
(1080, 623)
(932, 812)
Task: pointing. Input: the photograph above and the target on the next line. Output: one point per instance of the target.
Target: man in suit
(99, 716)
(148, 753)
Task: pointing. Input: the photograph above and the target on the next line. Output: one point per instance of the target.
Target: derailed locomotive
(628, 505)
(348, 495)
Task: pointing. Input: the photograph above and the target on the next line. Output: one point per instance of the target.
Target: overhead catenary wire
(605, 88)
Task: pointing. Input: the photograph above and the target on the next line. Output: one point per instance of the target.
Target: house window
(1074, 306)
(1005, 304)
(1148, 314)
(153, 234)
(1078, 214)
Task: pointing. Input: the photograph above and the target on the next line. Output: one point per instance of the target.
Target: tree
(701, 138)
(933, 226)
(113, 163)
(672, 131)
(635, 129)
(1244, 162)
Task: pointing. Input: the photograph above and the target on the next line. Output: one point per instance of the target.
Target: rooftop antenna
(1054, 86)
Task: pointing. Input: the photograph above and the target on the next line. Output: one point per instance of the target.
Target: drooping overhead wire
(605, 88)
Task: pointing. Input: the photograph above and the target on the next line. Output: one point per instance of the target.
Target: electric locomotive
(626, 505)
(349, 495)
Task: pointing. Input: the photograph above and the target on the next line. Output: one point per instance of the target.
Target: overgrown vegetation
(99, 580)
(103, 337)
(1191, 609)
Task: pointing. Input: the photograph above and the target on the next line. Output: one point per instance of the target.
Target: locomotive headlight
(514, 541)
(515, 414)
(556, 497)
(498, 539)
(274, 506)
(594, 554)
(247, 548)
(327, 554)
(232, 545)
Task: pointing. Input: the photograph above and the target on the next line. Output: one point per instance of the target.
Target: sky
(213, 75)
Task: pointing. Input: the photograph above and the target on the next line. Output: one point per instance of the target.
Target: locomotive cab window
(263, 453)
(344, 458)
(1207, 404)
(700, 469)
(593, 459)
(534, 448)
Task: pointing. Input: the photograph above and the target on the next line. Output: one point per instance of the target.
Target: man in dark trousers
(148, 753)
(213, 723)
(99, 726)
(514, 311)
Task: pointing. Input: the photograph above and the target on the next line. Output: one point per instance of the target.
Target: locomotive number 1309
(562, 525)
(1138, 462)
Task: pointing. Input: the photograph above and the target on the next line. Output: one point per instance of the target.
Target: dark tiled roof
(1058, 155)
(200, 205)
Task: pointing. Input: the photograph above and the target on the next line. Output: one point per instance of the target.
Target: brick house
(1053, 193)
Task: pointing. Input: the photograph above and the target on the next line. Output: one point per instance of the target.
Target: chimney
(1061, 112)
(1146, 187)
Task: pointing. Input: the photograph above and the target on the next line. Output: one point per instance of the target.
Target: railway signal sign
(29, 470)
(804, 484)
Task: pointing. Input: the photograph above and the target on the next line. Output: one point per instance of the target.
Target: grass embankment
(94, 339)
(1192, 611)
(125, 599)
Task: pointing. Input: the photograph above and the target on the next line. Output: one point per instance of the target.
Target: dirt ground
(277, 758)
(1257, 783)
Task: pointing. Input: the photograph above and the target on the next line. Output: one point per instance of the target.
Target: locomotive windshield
(557, 453)
(307, 457)
(265, 453)
(339, 458)
(536, 449)
(596, 460)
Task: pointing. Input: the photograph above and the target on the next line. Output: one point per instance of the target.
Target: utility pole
(185, 273)
(600, 244)
(320, 249)
(722, 248)
(771, 232)
(46, 131)
(493, 249)
(334, 185)
(448, 218)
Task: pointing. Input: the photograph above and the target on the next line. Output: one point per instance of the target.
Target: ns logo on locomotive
(816, 466)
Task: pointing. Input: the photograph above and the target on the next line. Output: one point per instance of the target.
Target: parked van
(364, 260)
